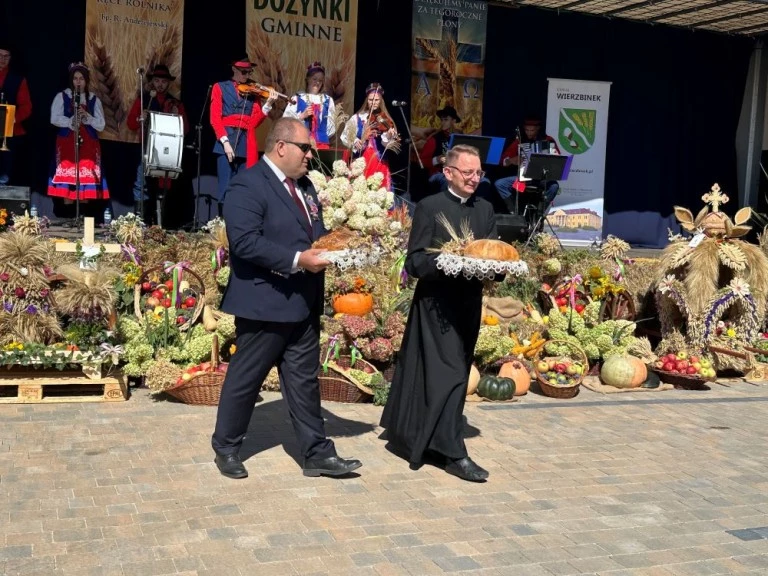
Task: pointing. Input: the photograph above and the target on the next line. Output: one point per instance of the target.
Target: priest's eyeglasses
(467, 174)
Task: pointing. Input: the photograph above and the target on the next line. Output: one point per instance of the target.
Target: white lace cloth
(352, 258)
(453, 265)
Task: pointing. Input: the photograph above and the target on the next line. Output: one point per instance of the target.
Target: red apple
(693, 359)
(146, 286)
(180, 319)
(691, 370)
(190, 302)
(670, 358)
(157, 294)
(668, 367)
(166, 303)
(580, 308)
(169, 284)
(546, 287)
(682, 364)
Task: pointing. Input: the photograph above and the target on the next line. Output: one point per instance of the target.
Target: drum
(164, 145)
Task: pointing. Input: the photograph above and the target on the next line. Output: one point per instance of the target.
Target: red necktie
(297, 200)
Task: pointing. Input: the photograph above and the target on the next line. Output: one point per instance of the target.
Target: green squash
(496, 387)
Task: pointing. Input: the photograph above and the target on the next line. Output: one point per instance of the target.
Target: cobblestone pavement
(657, 483)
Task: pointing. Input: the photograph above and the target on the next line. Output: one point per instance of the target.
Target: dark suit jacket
(265, 229)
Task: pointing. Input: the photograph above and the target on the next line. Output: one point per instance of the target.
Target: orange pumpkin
(491, 250)
(491, 320)
(519, 373)
(354, 304)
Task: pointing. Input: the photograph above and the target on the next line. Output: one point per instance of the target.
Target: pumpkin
(496, 388)
(353, 304)
(491, 320)
(623, 371)
(491, 250)
(474, 380)
(519, 373)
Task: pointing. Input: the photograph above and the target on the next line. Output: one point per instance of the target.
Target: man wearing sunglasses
(234, 118)
(423, 415)
(275, 292)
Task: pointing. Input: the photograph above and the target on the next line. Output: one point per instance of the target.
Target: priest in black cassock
(423, 415)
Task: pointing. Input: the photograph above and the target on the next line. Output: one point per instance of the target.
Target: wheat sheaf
(105, 83)
(165, 53)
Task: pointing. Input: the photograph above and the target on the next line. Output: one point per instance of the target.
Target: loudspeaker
(15, 199)
(511, 228)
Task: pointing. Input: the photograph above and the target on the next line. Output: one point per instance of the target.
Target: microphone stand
(411, 144)
(76, 109)
(197, 147)
(143, 155)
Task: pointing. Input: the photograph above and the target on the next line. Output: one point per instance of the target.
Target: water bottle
(33, 211)
(107, 217)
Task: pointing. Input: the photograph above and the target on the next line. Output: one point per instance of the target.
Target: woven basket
(552, 390)
(204, 388)
(199, 305)
(336, 385)
(547, 298)
(684, 381)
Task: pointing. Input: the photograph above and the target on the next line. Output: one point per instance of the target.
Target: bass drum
(164, 145)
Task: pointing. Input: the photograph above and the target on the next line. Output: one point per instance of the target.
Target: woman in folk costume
(315, 109)
(371, 133)
(77, 107)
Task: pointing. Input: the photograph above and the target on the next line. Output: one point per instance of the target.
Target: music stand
(490, 147)
(546, 167)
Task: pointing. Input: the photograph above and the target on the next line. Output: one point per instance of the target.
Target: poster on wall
(577, 115)
(447, 65)
(284, 39)
(121, 38)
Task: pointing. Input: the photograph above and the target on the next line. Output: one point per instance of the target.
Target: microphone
(399, 103)
(140, 71)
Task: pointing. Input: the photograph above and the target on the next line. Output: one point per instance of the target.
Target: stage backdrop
(577, 117)
(447, 64)
(283, 38)
(121, 38)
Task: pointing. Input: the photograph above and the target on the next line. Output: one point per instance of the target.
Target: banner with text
(447, 64)
(577, 117)
(285, 36)
(120, 38)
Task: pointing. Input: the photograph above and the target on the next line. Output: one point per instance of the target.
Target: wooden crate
(55, 387)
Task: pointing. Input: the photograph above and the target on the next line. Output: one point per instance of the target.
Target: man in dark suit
(275, 292)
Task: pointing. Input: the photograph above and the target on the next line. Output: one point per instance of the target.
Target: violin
(252, 88)
(381, 123)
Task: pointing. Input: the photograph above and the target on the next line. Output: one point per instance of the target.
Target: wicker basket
(683, 381)
(204, 388)
(552, 390)
(336, 385)
(618, 306)
(547, 298)
(199, 305)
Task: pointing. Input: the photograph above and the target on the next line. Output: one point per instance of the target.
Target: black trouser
(295, 349)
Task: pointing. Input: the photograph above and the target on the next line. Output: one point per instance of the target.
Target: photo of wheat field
(120, 39)
(282, 60)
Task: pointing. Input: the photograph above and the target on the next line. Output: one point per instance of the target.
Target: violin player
(235, 114)
(370, 132)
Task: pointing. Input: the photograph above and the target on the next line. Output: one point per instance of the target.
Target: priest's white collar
(461, 198)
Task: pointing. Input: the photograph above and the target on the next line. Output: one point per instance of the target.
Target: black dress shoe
(466, 469)
(332, 466)
(231, 466)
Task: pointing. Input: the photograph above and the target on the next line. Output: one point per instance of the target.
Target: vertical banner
(121, 37)
(448, 64)
(577, 113)
(285, 37)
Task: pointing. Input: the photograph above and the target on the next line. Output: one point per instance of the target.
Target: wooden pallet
(54, 387)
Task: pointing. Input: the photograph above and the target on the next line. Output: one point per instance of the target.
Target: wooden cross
(88, 244)
(715, 198)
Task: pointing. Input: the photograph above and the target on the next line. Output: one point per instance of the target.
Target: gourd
(353, 303)
(519, 374)
(496, 388)
(474, 380)
(623, 371)
(491, 250)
